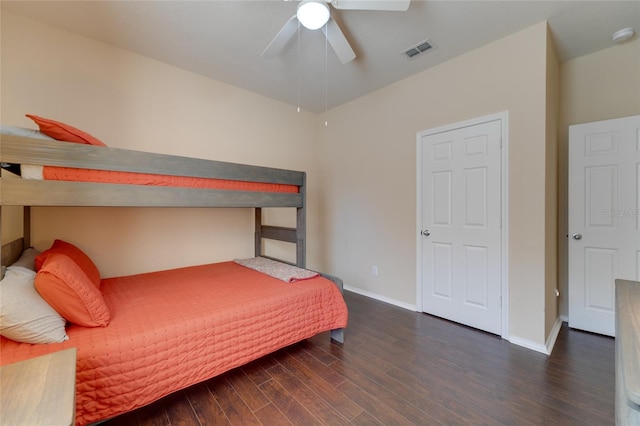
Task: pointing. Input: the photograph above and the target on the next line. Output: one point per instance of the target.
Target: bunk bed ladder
(295, 235)
(301, 226)
(280, 233)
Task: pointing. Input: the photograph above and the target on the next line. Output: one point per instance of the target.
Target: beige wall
(551, 203)
(367, 155)
(599, 86)
(361, 167)
(11, 223)
(133, 102)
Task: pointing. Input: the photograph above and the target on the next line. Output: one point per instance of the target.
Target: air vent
(418, 49)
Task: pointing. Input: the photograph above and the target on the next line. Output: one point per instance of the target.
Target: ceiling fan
(315, 14)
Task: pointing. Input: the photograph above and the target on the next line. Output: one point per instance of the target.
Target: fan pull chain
(326, 72)
(298, 64)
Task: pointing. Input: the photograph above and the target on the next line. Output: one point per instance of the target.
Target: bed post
(301, 227)
(26, 226)
(338, 335)
(258, 232)
(2, 265)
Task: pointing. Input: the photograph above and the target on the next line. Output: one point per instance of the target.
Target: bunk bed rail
(23, 192)
(22, 150)
(27, 192)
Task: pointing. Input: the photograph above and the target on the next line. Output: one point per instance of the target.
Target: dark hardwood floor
(398, 367)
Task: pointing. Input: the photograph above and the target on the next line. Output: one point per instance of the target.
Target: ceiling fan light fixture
(313, 14)
(623, 35)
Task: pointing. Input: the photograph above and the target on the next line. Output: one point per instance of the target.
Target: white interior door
(604, 227)
(461, 225)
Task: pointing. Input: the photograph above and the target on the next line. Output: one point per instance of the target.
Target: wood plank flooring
(398, 367)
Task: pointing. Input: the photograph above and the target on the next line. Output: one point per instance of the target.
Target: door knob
(426, 232)
(577, 236)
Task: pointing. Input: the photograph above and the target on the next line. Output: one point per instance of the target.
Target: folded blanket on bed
(281, 271)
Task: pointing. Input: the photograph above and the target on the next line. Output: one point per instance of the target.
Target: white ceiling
(223, 39)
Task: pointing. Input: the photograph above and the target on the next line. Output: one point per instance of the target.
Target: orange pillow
(64, 132)
(74, 253)
(67, 289)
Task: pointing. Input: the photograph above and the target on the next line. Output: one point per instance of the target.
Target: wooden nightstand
(39, 391)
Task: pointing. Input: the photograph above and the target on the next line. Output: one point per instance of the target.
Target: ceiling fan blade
(338, 41)
(389, 5)
(283, 37)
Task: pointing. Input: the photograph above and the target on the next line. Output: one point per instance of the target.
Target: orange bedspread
(107, 176)
(174, 328)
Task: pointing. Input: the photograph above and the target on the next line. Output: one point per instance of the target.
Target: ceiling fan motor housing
(313, 14)
(318, 12)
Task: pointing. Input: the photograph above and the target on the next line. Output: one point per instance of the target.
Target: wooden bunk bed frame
(15, 191)
(27, 193)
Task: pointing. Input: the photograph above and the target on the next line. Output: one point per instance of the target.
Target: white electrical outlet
(374, 270)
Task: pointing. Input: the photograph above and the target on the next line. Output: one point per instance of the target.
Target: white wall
(368, 165)
(133, 102)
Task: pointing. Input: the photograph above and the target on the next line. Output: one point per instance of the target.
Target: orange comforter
(171, 329)
(107, 176)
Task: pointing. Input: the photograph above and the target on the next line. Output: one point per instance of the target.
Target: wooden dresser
(627, 352)
(39, 391)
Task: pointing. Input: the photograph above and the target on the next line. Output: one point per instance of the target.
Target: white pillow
(24, 315)
(32, 171)
(27, 259)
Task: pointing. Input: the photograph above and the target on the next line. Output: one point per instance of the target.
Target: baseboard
(547, 348)
(525, 343)
(553, 335)
(381, 298)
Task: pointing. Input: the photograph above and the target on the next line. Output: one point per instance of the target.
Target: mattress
(171, 329)
(130, 178)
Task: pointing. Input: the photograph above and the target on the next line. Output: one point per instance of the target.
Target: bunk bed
(176, 350)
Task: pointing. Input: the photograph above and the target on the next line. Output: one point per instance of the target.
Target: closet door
(604, 226)
(461, 225)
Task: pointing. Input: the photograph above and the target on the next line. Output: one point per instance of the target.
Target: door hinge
(500, 143)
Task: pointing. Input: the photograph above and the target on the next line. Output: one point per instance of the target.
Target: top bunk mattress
(71, 174)
(171, 329)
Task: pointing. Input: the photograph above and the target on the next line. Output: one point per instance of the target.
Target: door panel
(602, 189)
(604, 227)
(475, 187)
(461, 255)
(442, 272)
(601, 266)
(476, 270)
(442, 198)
